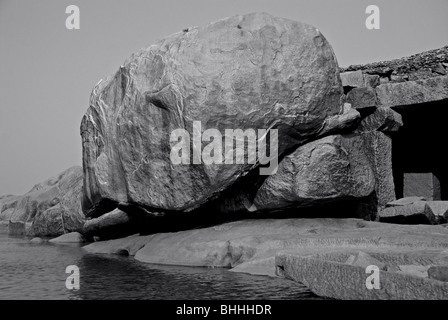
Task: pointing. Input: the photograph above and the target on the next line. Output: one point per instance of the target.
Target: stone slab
(333, 279)
(421, 185)
(417, 212)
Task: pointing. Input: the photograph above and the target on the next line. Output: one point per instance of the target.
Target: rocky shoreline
(285, 247)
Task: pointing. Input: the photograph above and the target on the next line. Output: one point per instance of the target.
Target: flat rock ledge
(326, 276)
(71, 237)
(255, 247)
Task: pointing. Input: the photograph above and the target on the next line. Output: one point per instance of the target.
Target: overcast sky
(47, 72)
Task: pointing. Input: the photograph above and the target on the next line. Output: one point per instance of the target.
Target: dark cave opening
(419, 147)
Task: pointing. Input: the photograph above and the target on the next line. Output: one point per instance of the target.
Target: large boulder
(245, 72)
(52, 207)
(331, 168)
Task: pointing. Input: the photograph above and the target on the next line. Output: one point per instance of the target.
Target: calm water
(37, 271)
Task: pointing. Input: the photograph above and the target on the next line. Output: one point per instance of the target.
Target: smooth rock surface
(247, 72)
(124, 246)
(250, 245)
(72, 237)
(421, 185)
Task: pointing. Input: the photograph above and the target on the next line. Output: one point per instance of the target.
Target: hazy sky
(47, 72)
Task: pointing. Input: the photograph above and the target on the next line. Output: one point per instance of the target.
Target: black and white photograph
(225, 158)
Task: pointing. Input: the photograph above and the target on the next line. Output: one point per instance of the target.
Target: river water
(37, 271)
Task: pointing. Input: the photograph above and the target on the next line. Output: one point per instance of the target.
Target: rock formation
(50, 208)
(346, 147)
(332, 168)
(245, 72)
(419, 66)
(242, 244)
(335, 134)
(8, 204)
(391, 94)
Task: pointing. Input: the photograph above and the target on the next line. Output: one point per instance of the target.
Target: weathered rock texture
(334, 167)
(381, 119)
(8, 204)
(254, 71)
(437, 210)
(417, 212)
(412, 92)
(329, 278)
(387, 93)
(361, 98)
(50, 208)
(247, 72)
(423, 65)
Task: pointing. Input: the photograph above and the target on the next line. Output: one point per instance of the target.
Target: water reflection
(37, 271)
(125, 278)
